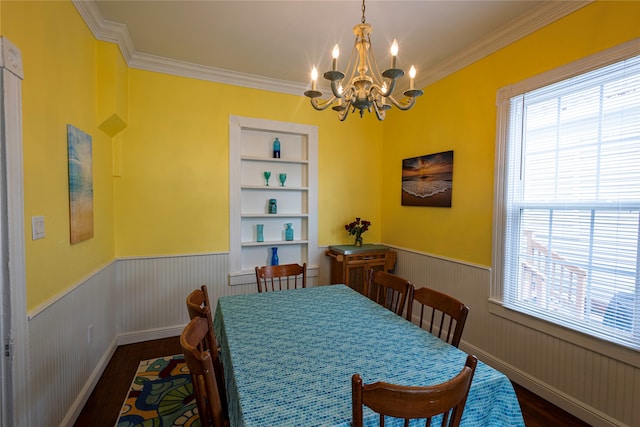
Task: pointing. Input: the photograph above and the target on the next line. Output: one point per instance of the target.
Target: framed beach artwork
(428, 180)
(80, 184)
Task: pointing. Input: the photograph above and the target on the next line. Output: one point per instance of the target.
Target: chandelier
(366, 88)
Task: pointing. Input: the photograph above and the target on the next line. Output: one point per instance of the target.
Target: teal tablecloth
(289, 356)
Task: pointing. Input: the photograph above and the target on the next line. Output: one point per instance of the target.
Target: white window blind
(572, 219)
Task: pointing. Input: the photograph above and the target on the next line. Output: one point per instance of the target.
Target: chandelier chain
(363, 8)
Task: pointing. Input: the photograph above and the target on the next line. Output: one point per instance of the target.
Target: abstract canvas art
(80, 184)
(428, 180)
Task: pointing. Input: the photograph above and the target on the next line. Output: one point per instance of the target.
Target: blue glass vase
(276, 148)
(260, 232)
(274, 256)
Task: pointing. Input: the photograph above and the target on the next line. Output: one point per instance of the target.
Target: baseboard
(123, 339)
(83, 396)
(150, 334)
(560, 399)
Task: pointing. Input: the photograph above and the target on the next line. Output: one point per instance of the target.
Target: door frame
(13, 326)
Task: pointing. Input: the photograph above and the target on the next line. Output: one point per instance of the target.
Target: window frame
(504, 96)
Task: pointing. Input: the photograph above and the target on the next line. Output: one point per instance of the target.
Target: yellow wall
(170, 192)
(170, 157)
(173, 195)
(59, 88)
(459, 113)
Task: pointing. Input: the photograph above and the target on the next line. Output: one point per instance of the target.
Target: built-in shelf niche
(250, 155)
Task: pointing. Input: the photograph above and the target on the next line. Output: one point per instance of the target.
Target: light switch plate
(37, 227)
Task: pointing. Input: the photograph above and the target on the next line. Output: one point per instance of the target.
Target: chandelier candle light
(364, 90)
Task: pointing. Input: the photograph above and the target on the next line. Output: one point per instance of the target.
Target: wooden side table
(349, 263)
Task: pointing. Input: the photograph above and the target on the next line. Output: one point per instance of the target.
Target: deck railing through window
(549, 281)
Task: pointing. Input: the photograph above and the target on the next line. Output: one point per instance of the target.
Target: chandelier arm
(342, 115)
(392, 86)
(380, 114)
(349, 92)
(378, 89)
(334, 89)
(404, 106)
(322, 104)
(381, 104)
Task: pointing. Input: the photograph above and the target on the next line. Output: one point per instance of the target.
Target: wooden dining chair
(407, 402)
(280, 277)
(388, 290)
(199, 306)
(197, 301)
(445, 315)
(211, 404)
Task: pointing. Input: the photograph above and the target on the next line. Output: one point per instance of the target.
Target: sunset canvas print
(80, 184)
(428, 180)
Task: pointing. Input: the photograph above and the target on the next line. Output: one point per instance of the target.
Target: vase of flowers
(357, 229)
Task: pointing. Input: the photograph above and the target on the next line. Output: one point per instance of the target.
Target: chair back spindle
(280, 277)
(442, 315)
(388, 290)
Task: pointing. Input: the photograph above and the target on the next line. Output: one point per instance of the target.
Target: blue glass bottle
(288, 232)
(260, 232)
(276, 148)
(274, 256)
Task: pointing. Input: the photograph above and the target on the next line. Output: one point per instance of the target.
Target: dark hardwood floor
(103, 406)
(537, 412)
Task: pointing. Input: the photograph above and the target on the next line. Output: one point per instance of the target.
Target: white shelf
(274, 160)
(280, 215)
(273, 188)
(275, 243)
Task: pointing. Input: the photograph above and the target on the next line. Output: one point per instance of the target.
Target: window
(568, 198)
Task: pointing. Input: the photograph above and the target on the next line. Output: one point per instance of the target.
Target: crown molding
(517, 29)
(583, 65)
(104, 30)
(160, 64)
(117, 33)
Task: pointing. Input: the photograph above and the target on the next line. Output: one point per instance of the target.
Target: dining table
(288, 358)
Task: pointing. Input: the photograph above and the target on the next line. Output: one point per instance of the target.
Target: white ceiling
(281, 40)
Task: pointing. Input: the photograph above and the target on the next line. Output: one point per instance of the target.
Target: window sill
(605, 348)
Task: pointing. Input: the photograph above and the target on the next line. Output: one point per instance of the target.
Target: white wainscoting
(136, 299)
(64, 366)
(129, 300)
(599, 389)
(152, 291)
